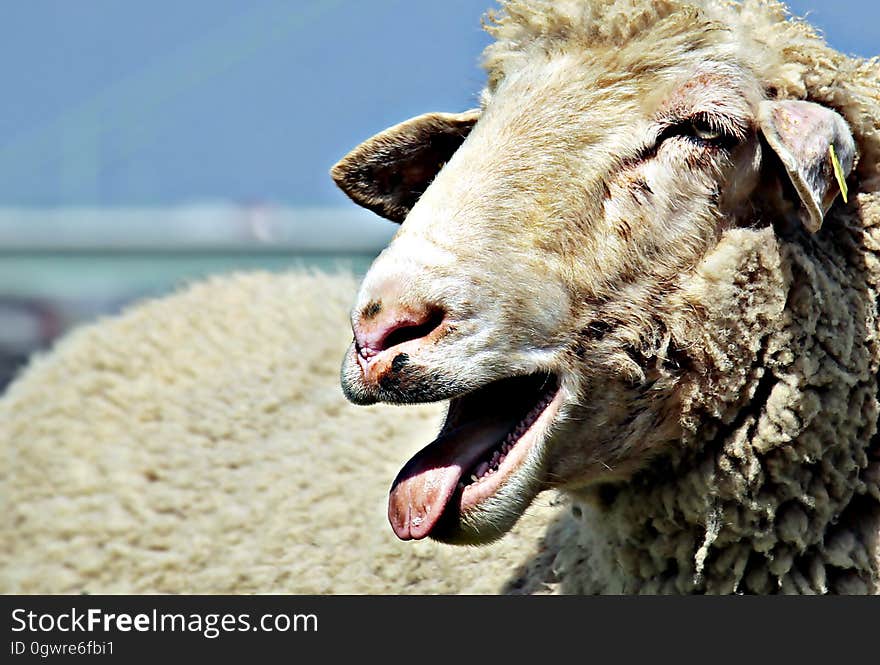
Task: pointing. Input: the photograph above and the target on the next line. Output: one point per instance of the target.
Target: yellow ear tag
(838, 173)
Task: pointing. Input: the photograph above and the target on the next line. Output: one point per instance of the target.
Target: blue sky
(165, 103)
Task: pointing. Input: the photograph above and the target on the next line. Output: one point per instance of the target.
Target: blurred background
(145, 145)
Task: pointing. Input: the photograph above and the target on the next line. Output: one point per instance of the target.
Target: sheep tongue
(425, 485)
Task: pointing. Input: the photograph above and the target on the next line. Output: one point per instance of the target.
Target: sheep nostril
(411, 331)
(403, 330)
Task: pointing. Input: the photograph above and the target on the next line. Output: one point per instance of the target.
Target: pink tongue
(425, 485)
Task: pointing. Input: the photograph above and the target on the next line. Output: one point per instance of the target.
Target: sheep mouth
(485, 440)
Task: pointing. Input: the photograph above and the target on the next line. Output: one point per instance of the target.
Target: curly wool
(200, 443)
(775, 486)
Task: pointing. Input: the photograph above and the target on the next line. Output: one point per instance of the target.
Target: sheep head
(540, 279)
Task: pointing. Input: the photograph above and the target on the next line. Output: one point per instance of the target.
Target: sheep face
(538, 279)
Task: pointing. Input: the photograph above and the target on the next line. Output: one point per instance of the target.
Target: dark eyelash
(685, 128)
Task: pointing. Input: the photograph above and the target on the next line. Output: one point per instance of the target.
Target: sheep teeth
(489, 466)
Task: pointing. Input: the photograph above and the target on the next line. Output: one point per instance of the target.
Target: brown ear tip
(339, 172)
(350, 180)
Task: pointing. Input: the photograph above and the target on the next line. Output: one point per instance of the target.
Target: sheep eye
(698, 130)
(704, 131)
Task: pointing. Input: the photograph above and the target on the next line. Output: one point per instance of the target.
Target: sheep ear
(389, 172)
(816, 148)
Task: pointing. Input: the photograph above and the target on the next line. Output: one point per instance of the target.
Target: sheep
(643, 273)
(199, 443)
(632, 275)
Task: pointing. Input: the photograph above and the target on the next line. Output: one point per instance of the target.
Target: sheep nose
(381, 327)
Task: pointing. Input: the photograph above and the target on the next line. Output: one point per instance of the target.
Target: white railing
(191, 228)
